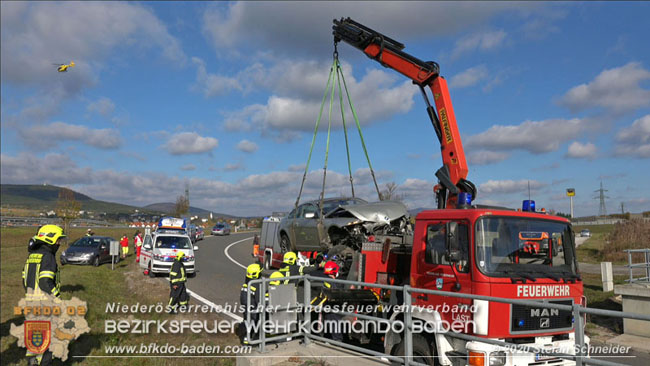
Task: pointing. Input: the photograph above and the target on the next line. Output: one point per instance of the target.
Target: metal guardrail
(631, 266)
(577, 309)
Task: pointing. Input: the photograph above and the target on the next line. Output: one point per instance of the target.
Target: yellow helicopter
(64, 67)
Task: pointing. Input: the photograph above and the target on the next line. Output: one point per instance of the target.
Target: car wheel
(151, 274)
(285, 244)
(191, 275)
(96, 261)
(267, 262)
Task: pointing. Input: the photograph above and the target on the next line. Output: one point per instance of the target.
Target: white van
(159, 248)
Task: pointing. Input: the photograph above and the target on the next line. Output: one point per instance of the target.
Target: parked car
(221, 229)
(93, 250)
(347, 221)
(200, 233)
(585, 233)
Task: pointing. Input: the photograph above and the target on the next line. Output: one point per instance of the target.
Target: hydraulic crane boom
(388, 52)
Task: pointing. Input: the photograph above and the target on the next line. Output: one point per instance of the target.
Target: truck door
(146, 251)
(434, 271)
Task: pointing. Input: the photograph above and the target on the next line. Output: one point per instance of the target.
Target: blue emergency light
(464, 199)
(529, 205)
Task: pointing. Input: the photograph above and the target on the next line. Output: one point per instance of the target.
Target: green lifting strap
(313, 140)
(363, 143)
(339, 72)
(327, 145)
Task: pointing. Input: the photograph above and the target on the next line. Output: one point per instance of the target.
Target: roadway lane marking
(213, 305)
(225, 251)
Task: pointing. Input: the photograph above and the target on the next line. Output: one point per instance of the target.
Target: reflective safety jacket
(177, 273)
(290, 270)
(41, 274)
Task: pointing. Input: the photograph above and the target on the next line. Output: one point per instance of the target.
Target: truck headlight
(498, 358)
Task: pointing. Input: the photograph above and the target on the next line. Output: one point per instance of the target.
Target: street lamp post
(571, 192)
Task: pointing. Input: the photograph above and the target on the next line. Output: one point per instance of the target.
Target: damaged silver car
(345, 221)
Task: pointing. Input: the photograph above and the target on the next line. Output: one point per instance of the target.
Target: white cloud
(582, 151)
(483, 41)
(188, 167)
(295, 107)
(102, 106)
(534, 136)
(635, 139)
(190, 143)
(469, 77)
(59, 131)
(305, 28)
(213, 85)
(509, 186)
(247, 146)
(233, 167)
(615, 89)
(485, 157)
(37, 34)
(22, 169)
(296, 168)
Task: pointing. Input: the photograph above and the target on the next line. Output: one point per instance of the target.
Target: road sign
(114, 251)
(570, 192)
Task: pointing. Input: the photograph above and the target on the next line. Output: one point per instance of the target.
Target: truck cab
(479, 251)
(159, 248)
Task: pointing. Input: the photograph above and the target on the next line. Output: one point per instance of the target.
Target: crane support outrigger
(388, 52)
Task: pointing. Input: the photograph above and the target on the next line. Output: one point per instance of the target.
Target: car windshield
(510, 246)
(87, 242)
(332, 204)
(219, 226)
(173, 242)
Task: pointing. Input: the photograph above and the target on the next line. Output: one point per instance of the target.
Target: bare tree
(67, 207)
(390, 193)
(182, 206)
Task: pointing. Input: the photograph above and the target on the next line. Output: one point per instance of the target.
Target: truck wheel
(422, 351)
(96, 261)
(151, 274)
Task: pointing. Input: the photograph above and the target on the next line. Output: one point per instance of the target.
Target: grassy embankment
(608, 242)
(98, 286)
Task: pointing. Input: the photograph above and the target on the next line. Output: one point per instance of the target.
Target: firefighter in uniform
(290, 267)
(177, 278)
(330, 270)
(252, 273)
(41, 275)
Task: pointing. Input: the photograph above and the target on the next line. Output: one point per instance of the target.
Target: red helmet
(331, 268)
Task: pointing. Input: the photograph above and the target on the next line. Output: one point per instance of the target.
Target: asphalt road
(219, 278)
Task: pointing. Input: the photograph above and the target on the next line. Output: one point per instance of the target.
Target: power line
(602, 211)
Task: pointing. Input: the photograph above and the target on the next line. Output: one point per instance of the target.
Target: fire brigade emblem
(439, 283)
(37, 335)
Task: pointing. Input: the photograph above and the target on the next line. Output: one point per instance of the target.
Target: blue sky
(224, 97)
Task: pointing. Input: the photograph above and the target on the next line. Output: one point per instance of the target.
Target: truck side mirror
(196, 247)
(453, 250)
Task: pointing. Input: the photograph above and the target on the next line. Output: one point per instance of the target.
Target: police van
(159, 248)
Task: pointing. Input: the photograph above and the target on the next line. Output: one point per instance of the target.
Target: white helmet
(302, 261)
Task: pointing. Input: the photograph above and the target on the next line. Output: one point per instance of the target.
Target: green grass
(97, 286)
(597, 298)
(591, 251)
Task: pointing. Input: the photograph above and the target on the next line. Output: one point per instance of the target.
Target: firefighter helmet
(289, 258)
(331, 268)
(253, 270)
(180, 255)
(276, 274)
(49, 234)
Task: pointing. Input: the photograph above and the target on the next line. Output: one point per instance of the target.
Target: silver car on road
(346, 221)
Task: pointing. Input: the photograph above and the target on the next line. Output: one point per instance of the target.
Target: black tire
(285, 244)
(191, 275)
(422, 351)
(267, 262)
(151, 274)
(96, 261)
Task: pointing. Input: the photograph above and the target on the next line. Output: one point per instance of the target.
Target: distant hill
(168, 208)
(44, 198)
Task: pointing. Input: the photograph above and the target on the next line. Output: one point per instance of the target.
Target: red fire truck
(468, 249)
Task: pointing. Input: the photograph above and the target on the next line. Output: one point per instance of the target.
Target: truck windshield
(522, 247)
(173, 242)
